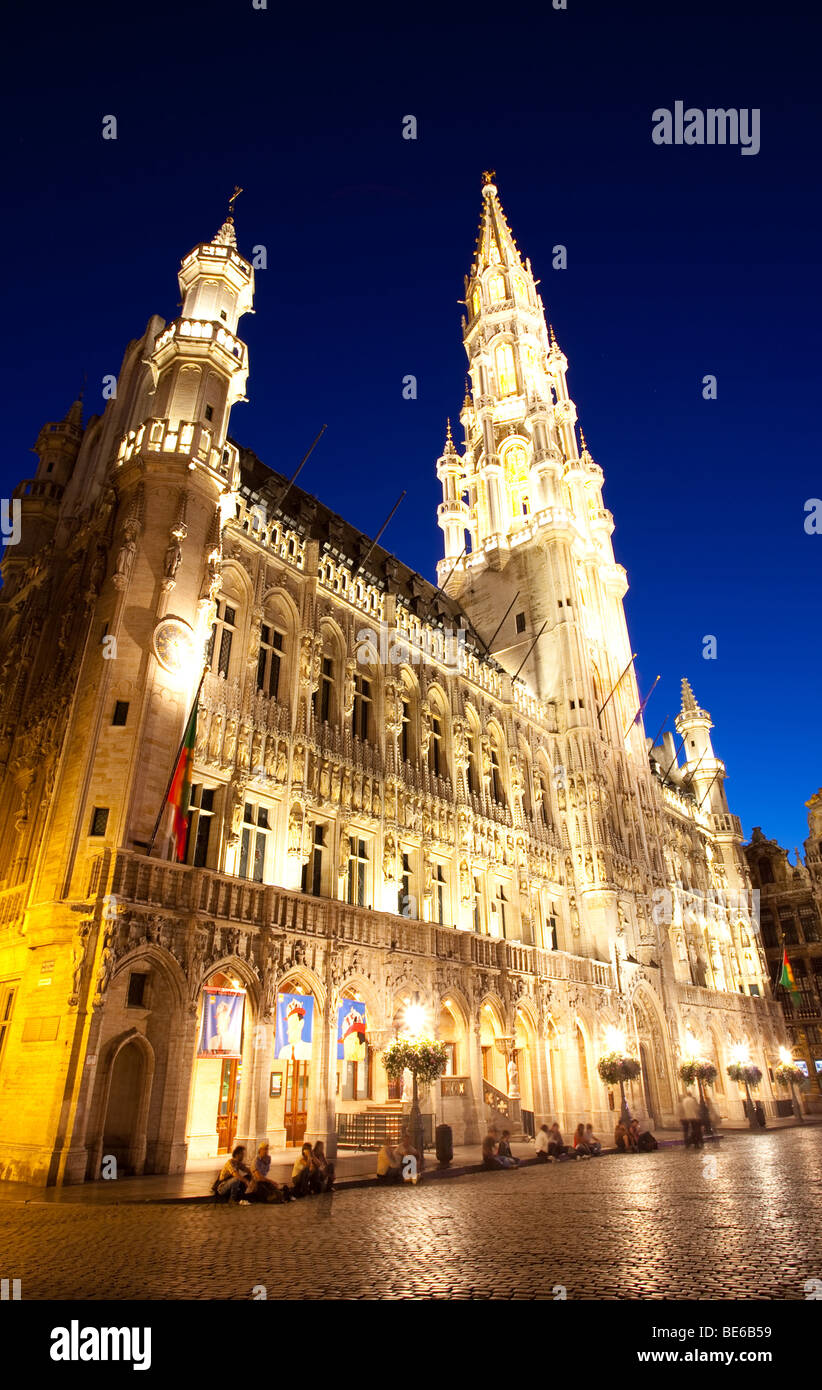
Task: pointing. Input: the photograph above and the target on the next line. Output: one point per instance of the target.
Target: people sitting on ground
(556, 1148)
(389, 1163)
(633, 1136)
(407, 1147)
(593, 1143)
(491, 1157)
(323, 1169)
(234, 1177)
(262, 1187)
(581, 1149)
(504, 1148)
(304, 1175)
(541, 1143)
(647, 1143)
(621, 1137)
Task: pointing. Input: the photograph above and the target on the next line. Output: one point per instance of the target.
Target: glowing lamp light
(785, 1057)
(175, 648)
(741, 1055)
(615, 1039)
(690, 1043)
(414, 1019)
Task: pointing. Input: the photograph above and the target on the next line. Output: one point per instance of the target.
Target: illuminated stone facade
(791, 920)
(384, 810)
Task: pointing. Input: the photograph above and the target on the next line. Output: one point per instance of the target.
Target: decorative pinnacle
(448, 438)
(488, 176)
(688, 700)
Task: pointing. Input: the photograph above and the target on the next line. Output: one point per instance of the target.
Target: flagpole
(164, 802)
(600, 712)
(641, 709)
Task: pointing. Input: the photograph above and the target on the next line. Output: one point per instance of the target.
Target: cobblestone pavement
(743, 1223)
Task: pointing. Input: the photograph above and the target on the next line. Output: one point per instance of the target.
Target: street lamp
(787, 1073)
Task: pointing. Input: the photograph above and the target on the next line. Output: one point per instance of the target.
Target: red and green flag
(179, 792)
(787, 979)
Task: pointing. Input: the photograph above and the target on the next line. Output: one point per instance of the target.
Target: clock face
(174, 645)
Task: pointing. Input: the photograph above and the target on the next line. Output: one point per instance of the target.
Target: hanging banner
(295, 1023)
(351, 1023)
(221, 1029)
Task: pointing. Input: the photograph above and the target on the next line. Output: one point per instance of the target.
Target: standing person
(323, 1169)
(541, 1143)
(304, 1172)
(234, 1176)
(591, 1140)
(691, 1121)
(556, 1148)
(580, 1145)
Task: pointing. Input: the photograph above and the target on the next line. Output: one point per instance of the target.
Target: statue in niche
(282, 761)
(216, 738)
(243, 749)
(230, 743)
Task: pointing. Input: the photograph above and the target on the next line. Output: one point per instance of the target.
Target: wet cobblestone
(650, 1226)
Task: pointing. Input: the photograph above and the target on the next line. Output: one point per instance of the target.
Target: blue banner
(351, 1040)
(221, 1028)
(295, 1024)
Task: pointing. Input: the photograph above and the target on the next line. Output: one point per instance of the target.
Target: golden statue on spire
(488, 176)
(237, 191)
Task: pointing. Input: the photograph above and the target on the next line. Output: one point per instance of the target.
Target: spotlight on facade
(615, 1039)
(414, 1020)
(785, 1057)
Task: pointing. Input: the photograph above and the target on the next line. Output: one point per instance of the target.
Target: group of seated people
(392, 1165)
(630, 1139)
(496, 1150)
(550, 1147)
(240, 1184)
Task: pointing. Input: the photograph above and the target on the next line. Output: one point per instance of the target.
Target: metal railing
(369, 1129)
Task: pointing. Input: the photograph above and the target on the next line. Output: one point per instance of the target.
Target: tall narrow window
(439, 894)
(322, 697)
(357, 871)
(473, 778)
(222, 635)
(506, 371)
(406, 900)
(269, 662)
(200, 818)
(436, 753)
(361, 717)
(477, 896)
(254, 842)
(8, 993)
(497, 790)
(313, 871)
(405, 733)
(501, 902)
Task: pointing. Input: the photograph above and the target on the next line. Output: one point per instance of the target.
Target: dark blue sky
(682, 261)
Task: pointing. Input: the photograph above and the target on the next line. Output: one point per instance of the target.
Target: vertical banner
(295, 1024)
(351, 1023)
(221, 1028)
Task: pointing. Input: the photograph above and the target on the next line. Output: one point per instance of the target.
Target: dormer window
(209, 412)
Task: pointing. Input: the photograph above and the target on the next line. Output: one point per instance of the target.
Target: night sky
(682, 261)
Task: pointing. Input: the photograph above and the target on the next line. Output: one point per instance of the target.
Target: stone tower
(527, 539)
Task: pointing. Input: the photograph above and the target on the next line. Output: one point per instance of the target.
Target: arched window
(437, 762)
(515, 459)
(506, 371)
(221, 641)
(497, 784)
(496, 288)
(475, 302)
(473, 767)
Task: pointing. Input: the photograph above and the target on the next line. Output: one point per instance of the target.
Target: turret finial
(688, 700)
(488, 176)
(235, 195)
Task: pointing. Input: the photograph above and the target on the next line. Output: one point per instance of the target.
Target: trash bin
(444, 1145)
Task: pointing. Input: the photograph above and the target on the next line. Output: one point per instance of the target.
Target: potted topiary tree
(426, 1059)
(750, 1076)
(616, 1068)
(787, 1073)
